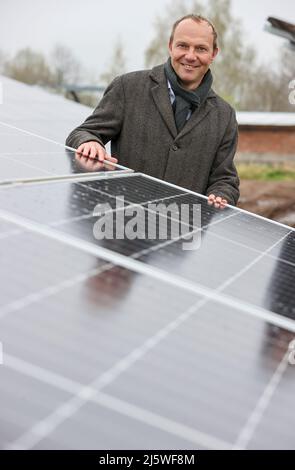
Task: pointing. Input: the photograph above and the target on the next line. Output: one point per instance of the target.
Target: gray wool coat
(136, 115)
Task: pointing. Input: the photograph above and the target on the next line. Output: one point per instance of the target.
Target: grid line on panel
(29, 165)
(8, 134)
(76, 178)
(256, 250)
(54, 289)
(112, 196)
(51, 290)
(66, 410)
(250, 426)
(71, 406)
(190, 225)
(49, 152)
(239, 209)
(156, 273)
(147, 176)
(10, 232)
(50, 140)
(32, 134)
(255, 417)
(86, 216)
(151, 201)
(252, 263)
(107, 401)
(130, 205)
(160, 422)
(50, 176)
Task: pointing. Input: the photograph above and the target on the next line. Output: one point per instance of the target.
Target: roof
(249, 118)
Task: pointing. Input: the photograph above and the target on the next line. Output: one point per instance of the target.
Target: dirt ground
(274, 200)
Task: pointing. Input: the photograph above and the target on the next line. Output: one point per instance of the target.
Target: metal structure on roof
(281, 28)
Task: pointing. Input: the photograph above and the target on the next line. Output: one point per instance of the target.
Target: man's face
(192, 52)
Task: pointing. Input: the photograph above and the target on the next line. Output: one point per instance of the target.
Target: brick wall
(267, 139)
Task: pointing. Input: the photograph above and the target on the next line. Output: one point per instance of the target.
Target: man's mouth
(189, 67)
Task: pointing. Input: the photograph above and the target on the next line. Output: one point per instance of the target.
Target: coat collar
(161, 97)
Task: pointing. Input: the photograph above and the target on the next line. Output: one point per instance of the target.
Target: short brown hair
(197, 19)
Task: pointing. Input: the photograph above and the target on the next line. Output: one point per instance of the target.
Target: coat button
(175, 147)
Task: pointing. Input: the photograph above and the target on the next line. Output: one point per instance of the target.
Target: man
(167, 122)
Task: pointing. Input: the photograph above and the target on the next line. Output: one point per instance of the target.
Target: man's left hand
(218, 201)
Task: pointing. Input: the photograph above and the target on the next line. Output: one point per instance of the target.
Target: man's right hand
(96, 151)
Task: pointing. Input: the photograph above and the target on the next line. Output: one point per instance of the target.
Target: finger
(95, 165)
(110, 158)
(211, 199)
(93, 152)
(86, 150)
(101, 154)
(109, 166)
(88, 164)
(98, 166)
(80, 149)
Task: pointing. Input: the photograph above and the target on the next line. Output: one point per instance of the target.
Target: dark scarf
(186, 100)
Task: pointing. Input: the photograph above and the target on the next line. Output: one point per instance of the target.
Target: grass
(266, 172)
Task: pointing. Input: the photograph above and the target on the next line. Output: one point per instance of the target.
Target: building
(266, 137)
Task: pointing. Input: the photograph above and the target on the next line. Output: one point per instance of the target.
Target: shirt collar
(171, 92)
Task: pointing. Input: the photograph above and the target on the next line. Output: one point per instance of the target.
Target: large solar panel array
(126, 344)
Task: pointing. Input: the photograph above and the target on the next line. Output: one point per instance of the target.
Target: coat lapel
(161, 98)
(196, 117)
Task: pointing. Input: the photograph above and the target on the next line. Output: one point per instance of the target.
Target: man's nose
(191, 54)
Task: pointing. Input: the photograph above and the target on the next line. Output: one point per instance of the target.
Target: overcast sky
(92, 27)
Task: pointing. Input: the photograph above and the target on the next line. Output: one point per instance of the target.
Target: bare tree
(29, 67)
(64, 65)
(157, 51)
(117, 65)
(287, 76)
(3, 60)
(268, 87)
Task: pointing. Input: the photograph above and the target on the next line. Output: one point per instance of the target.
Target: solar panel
(141, 343)
(33, 126)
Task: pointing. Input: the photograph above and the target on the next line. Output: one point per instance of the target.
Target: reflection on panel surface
(66, 313)
(240, 255)
(217, 365)
(28, 165)
(34, 125)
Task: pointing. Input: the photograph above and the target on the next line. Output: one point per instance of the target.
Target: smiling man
(168, 122)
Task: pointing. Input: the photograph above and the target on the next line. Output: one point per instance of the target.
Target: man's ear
(170, 46)
(215, 52)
